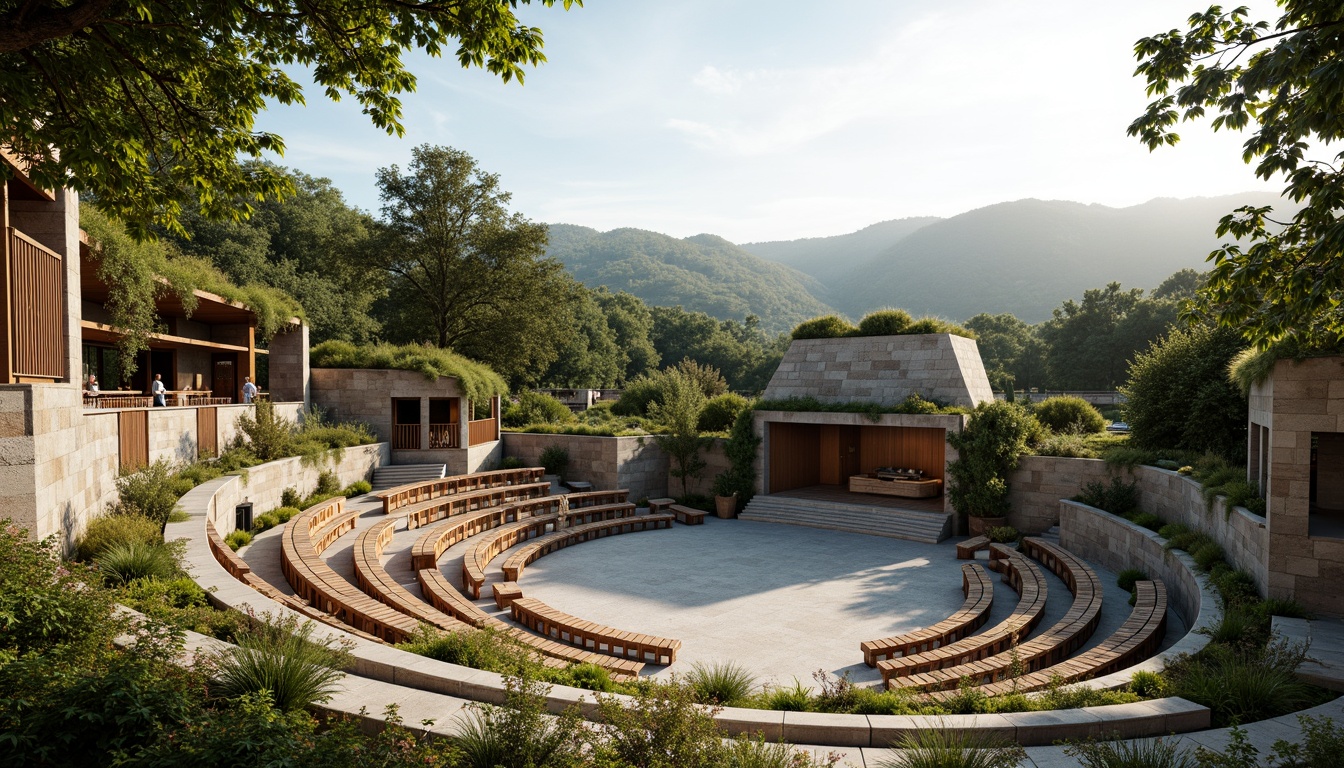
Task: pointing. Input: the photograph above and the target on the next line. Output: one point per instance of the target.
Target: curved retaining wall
(390, 665)
(1039, 482)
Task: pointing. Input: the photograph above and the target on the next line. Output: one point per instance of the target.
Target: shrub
(1146, 520)
(1172, 530)
(1178, 394)
(938, 325)
(1188, 541)
(1117, 497)
(555, 460)
(723, 683)
(662, 727)
(824, 327)
(484, 649)
(1069, 414)
(1149, 685)
(1068, 446)
(884, 322)
(520, 734)
(720, 413)
(477, 380)
(794, 698)
(947, 748)
(151, 492)
(1236, 587)
(357, 488)
(511, 462)
(125, 562)
(989, 446)
(740, 477)
(181, 603)
(284, 659)
(1003, 534)
(1207, 555)
(328, 484)
(290, 498)
(1243, 686)
(269, 436)
(265, 522)
(536, 408)
(1145, 753)
(238, 539)
(1127, 578)
(106, 530)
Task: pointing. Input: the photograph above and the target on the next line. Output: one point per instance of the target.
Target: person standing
(159, 391)
(249, 390)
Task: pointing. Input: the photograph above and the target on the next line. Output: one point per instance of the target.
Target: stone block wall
(1039, 482)
(290, 374)
(633, 463)
(716, 462)
(883, 370)
(173, 436)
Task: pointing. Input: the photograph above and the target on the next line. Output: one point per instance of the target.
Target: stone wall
(365, 395)
(1039, 482)
(633, 463)
(883, 370)
(290, 377)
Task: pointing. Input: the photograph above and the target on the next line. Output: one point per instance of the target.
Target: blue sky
(778, 120)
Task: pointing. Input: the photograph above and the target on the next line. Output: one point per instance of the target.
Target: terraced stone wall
(633, 463)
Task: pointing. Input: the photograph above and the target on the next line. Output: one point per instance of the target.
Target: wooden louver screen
(207, 431)
(480, 431)
(133, 428)
(37, 308)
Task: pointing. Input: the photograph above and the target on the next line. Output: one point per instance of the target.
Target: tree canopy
(135, 101)
(1284, 83)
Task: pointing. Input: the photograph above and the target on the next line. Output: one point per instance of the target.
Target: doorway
(224, 374)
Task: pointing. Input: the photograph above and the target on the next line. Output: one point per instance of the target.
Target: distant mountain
(703, 273)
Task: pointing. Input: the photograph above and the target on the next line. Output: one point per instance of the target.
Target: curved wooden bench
(506, 537)
(1137, 639)
(427, 550)
(449, 599)
(235, 565)
(978, 588)
(414, 493)
(1027, 579)
(377, 583)
(314, 581)
(1050, 647)
(544, 545)
(444, 507)
(558, 625)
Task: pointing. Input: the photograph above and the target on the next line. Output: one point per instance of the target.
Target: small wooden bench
(544, 545)
(966, 549)
(978, 588)
(660, 505)
(548, 622)
(687, 515)
(506, 592)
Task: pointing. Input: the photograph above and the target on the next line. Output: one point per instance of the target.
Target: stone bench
(687, 515)
(544, 545)
(978, 588)
(966, 549)
(548, 622)
(395, 499)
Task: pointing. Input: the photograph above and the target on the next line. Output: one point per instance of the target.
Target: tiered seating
(395, 499)
(302, 543)
(974, 612)
(1138, 638)
(1051, 646)
(547, 621)
(544, 545)
(443, 507)
(507, 537)
(1026, 578)
(430, 547)
(376, 582)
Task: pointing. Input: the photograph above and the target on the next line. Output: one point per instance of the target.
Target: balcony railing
(109, 400)
(481, 431)
(444, 435)
(406, 437)
(36, 308)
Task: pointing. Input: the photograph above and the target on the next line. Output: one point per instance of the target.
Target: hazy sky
(783, 119)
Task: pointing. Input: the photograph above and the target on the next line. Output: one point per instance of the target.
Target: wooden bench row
(978, 588)
(549, 622)
(475, 562)
(427, 512)
(1137, 639)
(544, 545)
(1050, 647)
(413, 493)
(314, 580)
(447, 598)
(1029, 582)
(377, 583)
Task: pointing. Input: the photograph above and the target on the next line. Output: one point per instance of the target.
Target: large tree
(136, 100)
(467, 274)
(1011, 350)
(1285, 83)
(1089, 344)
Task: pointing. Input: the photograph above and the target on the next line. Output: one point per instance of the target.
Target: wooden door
(224, 376)
(848, 448)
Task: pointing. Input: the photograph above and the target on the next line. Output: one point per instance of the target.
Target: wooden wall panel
(207, 431)
(133, 433)
(915, 447)
(829, 458)
(794, 456)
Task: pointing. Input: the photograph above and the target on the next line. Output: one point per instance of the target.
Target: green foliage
(743, 352)
(1145, 753)
(1251, 366)
(937, 325)
(632, 324)
(238, 539)
(511, 462)
(794, 698)
(1243, 685)
(915, 403)
(1207, 555)
(520, 734)
(884, 322)
(555, 459)
(662, 727)
(1069, 414)
(180, 603)
(1145, 520)
(723, 683)
(996, 435)
(1011, 350)
(150, 492)
(1089, 344)
(105, 530)
(536, 408)
(948, 748)
(290, 497)
(741, 449)
(679, 411)
(357, 488)
(477, 380)
(1076, 446)
(1321, 744)
(483, 649)
(1003, 534)
(824, 327)
(269, 436)
(1178, 395)
(720, 412)
(1149, 685)
(124, 562)
(1127, 578)
(284, 659)
(1118, 497)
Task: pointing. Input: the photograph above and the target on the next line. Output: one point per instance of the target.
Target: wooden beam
(107, 333)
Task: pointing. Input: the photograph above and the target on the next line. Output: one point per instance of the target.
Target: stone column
(291, 377)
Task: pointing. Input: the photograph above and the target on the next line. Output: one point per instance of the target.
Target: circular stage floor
(784, 601)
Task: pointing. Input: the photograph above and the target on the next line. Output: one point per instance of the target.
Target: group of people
(159, 391)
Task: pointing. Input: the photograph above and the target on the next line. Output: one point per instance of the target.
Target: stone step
(393, 475)
(927, 527)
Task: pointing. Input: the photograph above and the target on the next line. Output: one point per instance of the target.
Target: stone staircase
(927, 527)
(392, 475)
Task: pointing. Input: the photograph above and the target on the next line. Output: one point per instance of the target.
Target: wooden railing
(118, 401)
(406, 437)
(36, 308)
(480, 431)
(444, 435)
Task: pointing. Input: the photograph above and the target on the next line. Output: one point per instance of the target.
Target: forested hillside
(702, 274)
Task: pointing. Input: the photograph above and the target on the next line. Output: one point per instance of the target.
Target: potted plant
(725, 495)
(988, 447)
